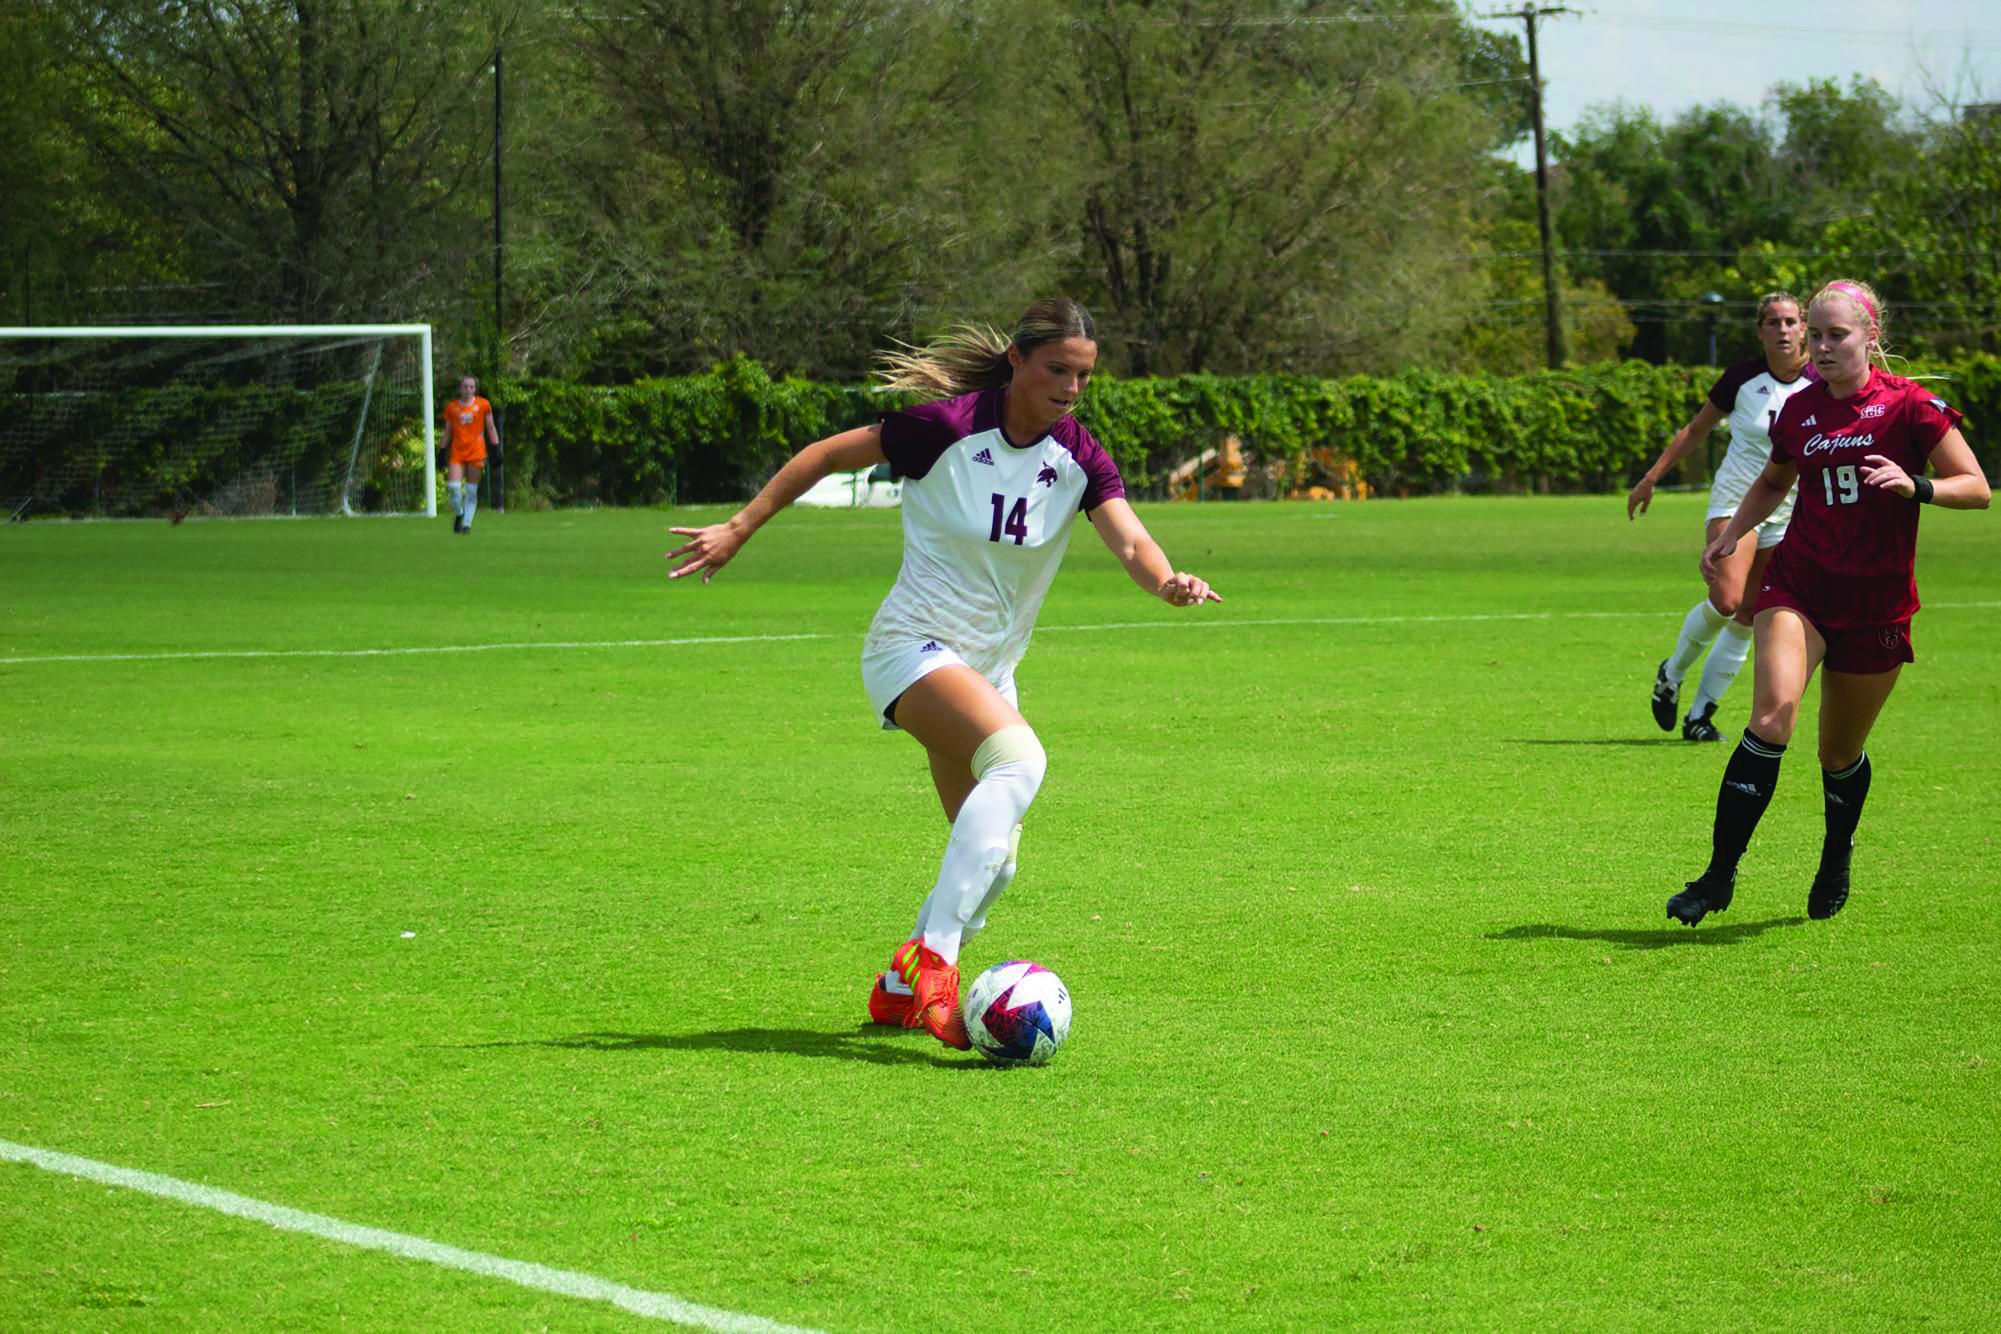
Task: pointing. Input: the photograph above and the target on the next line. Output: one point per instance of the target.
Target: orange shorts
(469, 458)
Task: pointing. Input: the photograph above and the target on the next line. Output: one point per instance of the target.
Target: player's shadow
(1651, 938)
(875, 1045)
(1597, 741)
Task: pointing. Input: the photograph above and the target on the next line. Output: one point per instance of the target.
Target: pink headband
(1850, 289)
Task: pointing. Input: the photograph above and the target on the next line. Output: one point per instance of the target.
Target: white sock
(472, 501)
(1002, 879)
(1698, 629)
(1009, 765)
(1725, 661)
(456, 491)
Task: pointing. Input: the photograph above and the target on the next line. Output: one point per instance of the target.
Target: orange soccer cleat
(886, 1007)
(934, 1001)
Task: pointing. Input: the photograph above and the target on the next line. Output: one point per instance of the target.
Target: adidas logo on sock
(930, 646)
(984, 456)
(1751, 788)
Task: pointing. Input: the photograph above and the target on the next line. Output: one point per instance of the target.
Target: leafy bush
(716, 437)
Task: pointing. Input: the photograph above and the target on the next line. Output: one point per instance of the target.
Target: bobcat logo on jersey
(1047, 477)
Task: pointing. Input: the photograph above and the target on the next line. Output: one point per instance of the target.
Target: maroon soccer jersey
(1856, 545)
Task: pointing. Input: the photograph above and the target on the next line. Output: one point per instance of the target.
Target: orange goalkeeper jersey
(465, 425)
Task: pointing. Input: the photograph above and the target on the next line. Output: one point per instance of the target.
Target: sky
(1670, 55)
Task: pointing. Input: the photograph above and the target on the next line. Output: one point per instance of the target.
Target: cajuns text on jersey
(1860, 540)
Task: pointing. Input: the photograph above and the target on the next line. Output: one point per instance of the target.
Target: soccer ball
(1017, 1013)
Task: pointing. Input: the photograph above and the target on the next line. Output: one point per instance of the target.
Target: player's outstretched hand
(1185, 590)
(1888, 476)
(1712, 556)
(707, 549)
(1641, 496)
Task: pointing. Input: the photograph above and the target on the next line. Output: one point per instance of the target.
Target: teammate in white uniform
(1750, 395)
(994, 472)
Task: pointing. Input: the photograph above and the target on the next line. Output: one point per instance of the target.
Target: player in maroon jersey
(1841, 589)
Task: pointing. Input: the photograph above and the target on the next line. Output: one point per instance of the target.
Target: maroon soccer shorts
(1860, 649)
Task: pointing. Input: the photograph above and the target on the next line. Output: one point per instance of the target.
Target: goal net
(243, 420)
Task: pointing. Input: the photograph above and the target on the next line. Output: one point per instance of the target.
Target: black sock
(1748, 782)
(1844, 794)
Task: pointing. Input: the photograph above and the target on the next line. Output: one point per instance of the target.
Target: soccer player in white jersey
(1750, 395)
(994, 471)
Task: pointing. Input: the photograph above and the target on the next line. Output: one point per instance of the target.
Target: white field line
(1192, 621)
(563, 1282)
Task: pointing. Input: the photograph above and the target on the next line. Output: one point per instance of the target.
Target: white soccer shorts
(892, 667)
(1726, 492)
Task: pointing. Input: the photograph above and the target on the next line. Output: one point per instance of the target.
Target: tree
(305, 154)
(797, 180)
(1275, 184)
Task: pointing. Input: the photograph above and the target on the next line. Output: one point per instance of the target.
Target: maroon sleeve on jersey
(914, 437)
(1930, 418)
(1723, 394)
(1101, 476)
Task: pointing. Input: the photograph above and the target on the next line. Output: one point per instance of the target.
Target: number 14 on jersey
(1012, 522)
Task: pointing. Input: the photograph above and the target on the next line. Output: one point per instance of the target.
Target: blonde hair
(1863, 297)
(1773, 298)
(974, 356)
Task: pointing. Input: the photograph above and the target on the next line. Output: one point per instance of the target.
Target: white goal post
(217, 420)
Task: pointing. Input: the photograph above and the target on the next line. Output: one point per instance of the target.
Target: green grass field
(559, 953)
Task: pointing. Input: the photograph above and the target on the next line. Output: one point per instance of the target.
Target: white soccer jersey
(1752, 396)
(985, 524)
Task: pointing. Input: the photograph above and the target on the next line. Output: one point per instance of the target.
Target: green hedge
(693, 439)
(716, 437)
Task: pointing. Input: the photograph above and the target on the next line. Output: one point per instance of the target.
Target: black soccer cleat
(1667, 698)
(1705, 894)
(458, 523)
(1829, 894)
(1702, 728)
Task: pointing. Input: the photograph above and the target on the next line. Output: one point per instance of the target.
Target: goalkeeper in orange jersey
(469, 429)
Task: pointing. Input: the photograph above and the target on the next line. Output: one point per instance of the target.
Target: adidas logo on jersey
(1764, 389)
(930, 646)
(984, 456)
(1046, 477)
(1811, 421)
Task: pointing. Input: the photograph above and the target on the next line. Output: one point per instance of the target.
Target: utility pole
(1552, 297)
(498, 487)
(499, 337)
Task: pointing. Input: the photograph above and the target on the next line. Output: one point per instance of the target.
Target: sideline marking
(564, 1282)
(564, 645)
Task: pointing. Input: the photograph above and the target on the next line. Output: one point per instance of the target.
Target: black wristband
(1923, 494)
